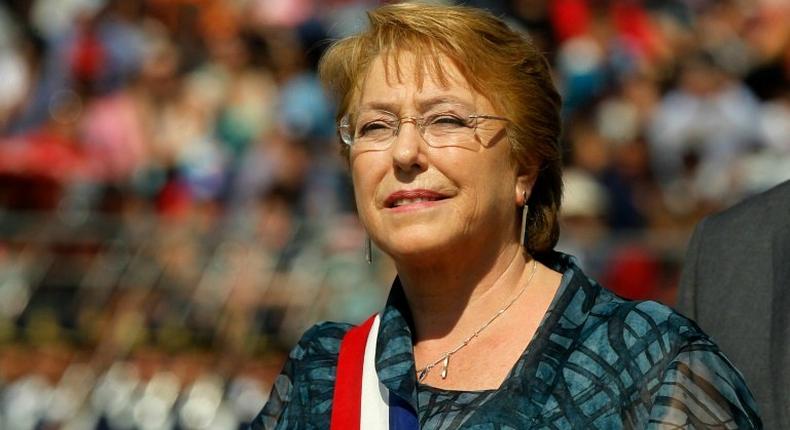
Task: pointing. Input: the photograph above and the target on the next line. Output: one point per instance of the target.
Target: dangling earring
(524, 212)
(368, 250)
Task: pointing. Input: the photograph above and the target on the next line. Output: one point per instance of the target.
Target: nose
(407, 149)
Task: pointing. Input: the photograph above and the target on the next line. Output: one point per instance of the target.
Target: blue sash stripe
(402, 416)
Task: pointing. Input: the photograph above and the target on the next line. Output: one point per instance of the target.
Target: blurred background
(174, 211)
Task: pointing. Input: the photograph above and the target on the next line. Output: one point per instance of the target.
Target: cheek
(496, 181)
(365, 179)
(363, 194)
(491, 172)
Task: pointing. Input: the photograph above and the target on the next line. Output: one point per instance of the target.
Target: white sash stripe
(374, 411)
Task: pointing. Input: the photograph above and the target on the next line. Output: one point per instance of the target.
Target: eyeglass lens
(376, 130)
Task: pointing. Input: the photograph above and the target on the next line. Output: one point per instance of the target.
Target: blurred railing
(134, 321)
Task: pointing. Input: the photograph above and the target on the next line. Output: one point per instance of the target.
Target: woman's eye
(373, 127)
(448, 121)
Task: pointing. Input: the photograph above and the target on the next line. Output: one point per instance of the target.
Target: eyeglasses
(376, 130)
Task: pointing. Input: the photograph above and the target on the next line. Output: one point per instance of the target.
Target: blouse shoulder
(675, 375)
(635, 321)
(308, 373)
(321, 339)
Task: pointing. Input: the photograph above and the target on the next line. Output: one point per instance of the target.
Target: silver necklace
(445, 358)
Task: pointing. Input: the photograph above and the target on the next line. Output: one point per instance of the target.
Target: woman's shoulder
(662, 365)
(303, 390)
(600, 319)
(656, 365)
(321, 340)
(685, 372)
(634, 321)
(605, 327)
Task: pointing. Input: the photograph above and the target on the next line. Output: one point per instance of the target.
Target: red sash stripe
(347, 399)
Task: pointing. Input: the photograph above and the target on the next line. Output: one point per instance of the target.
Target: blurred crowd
(174, 210)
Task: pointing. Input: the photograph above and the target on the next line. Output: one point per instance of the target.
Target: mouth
(404, 198)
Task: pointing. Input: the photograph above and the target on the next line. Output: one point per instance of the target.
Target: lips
(410, 197)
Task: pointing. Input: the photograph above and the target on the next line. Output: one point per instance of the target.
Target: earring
(368, 250)
(524, 213)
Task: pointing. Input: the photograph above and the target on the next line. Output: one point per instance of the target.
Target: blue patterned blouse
(596, 362)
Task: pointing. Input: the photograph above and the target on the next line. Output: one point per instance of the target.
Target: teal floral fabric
(596, 362)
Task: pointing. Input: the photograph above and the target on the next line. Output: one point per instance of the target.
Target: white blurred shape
(71, 393)
(25, 403)
(247, 397)
(580, 55)
(618, 121)
(53, 17)
(582, 195)
(202, 403)
(775, 125)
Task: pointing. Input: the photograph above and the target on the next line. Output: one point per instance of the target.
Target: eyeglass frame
(418, 121)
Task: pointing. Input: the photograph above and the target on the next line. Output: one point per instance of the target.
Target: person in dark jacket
(736, 285)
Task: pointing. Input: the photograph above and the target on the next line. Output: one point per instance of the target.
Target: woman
(450, 123)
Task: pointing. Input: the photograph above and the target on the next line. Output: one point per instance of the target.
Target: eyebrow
(422, 105)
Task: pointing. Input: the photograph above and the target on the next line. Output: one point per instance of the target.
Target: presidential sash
(360, 400)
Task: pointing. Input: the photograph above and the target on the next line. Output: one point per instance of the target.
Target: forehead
(401, 78)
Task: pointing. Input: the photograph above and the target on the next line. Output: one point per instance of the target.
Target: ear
(524, 184)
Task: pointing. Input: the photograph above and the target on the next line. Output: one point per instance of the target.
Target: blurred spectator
(710, 117)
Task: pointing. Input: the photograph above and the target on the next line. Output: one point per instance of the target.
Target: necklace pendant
(422, 374)
(445, 364)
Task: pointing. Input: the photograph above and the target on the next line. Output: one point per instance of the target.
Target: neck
(452, 298)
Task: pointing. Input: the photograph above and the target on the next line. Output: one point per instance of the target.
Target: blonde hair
(495, 60)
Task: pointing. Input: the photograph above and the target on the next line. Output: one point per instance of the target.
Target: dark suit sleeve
(687, 291)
